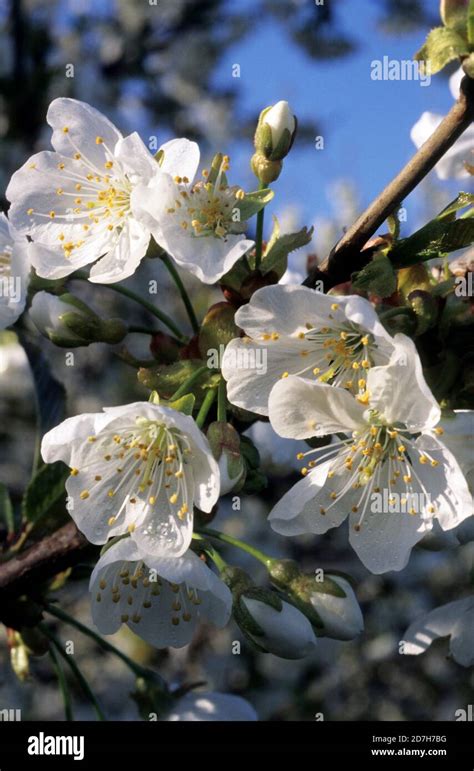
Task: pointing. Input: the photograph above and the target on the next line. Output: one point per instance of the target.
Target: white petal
(439, 622)
(161, 532)
(252, 369)
(385, 540)
(307, 507)
(452, 163)
(181, 158)
(207, 258)
(84, 124)
(445, 483)
(65, 441)
(286, 309)
(300, 409)
(124, 258)
(135, 158)
(388, 388)
(362, 313)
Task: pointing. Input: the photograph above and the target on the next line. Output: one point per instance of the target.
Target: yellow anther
(275, 336)
(99, 140)
(366, 364)
(402, 448)
(304, 471)
(407, 478)
(111, 521)
(439, 431)
(52, 214)
(66, 130)
(355, 365)
(435, 463)
(361, 383)
(131, 528)
(84, 495)
(174, 498)
(108, 164)
(364, 340)
(152, 500)
(285, 375)
(74, 472)
(335, 307)
(300, 456)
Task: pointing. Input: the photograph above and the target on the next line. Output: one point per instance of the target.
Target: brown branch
(43, 560)
(349, 255)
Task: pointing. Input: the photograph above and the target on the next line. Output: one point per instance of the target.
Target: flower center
(98, 199)
(144, 461)
(137, 589)
(209, 207)
(358, 463)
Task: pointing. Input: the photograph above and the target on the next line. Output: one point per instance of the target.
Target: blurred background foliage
(150, 65)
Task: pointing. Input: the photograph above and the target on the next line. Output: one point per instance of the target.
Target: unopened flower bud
(278, 627)
(274, 137)
(70, 323)
(276, 132)
(330, 604)
(341, 616)
(225, 445)
(272, 625)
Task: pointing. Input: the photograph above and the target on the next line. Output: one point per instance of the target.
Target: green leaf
(253, 203)
(167, 378)
(7, 517)
(442, 46)
(378, 277)
(279, 247)
(470, 22)
(461, 202)
(435, 239)
(44, 490)
(184, 405)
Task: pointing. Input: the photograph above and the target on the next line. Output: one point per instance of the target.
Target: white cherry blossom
(201, 224)
(211, 707)
(390, 446)
(293, 330)
(75, 202)
(161, 599)
(139, 468)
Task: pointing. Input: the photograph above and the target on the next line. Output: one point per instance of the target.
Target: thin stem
(231, 541)
(345, 258)
(205, 407)
(75, 669)
(182, 290)
(259, 236)
(188, 384)
(222, 402)
(63, 616)
(136, 329)
(217, 559)
(62, 682)
(163, 317)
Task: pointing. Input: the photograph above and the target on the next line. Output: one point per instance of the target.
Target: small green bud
(266, 171)
(70, 323)
(426, 309)
(225, 445)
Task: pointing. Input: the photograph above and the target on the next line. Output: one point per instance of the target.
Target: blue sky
(366, 124)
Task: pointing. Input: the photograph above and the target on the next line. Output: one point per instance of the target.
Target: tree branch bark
(43, 560)
(349, 255)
